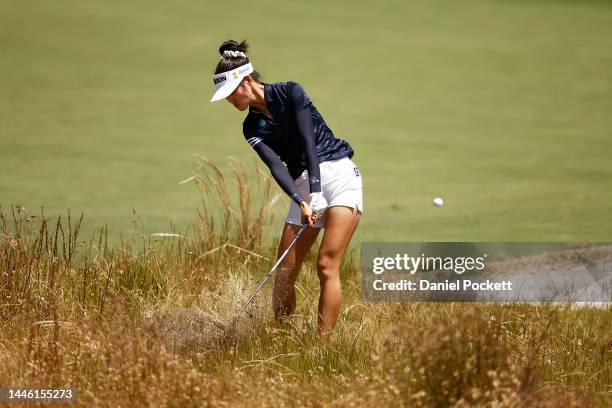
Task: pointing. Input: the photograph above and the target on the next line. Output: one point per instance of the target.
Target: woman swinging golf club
(283, 125)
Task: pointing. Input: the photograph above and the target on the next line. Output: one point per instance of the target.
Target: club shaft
(280, 259)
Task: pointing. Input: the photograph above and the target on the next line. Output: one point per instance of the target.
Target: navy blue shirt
(282, 134)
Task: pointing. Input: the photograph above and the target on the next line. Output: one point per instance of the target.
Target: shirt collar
(267, 97)
(267, 93)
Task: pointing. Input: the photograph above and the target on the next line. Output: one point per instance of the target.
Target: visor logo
(219, 80)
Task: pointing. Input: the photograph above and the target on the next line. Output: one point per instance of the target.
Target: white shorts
(340, 185)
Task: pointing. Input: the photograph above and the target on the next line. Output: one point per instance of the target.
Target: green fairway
(502, 108)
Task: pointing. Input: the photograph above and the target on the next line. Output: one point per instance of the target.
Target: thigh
(341, 224)
(297, 254)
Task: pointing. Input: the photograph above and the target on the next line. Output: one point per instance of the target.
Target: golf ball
(438, 202)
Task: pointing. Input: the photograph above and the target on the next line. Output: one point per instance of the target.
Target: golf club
(299, 234)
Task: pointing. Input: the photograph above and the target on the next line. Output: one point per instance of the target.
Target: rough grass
(141, 324)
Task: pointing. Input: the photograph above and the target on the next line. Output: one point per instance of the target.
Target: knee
(327, 268)
(287, 266)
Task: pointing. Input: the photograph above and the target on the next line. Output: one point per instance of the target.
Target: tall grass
(141, 323)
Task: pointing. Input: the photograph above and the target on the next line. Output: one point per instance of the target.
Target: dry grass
(141, 325)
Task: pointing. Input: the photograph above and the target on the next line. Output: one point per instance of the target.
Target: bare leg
(283, 293)
(341, 224)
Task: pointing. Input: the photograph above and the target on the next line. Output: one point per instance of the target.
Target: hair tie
(234, 54)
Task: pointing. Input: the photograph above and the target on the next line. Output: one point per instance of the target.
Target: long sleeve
(300, 102)
(278, 169)
(304, 122)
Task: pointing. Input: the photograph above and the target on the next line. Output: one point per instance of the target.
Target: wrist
(297, 198)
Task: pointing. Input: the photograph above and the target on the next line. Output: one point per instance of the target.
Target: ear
(248, 82)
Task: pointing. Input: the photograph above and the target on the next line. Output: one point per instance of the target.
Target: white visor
(226, 82)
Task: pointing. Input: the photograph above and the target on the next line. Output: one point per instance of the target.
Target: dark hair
(229, 63)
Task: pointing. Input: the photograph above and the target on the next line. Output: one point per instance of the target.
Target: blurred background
(502, 108)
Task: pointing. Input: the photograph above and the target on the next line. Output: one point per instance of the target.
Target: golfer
(309, 163)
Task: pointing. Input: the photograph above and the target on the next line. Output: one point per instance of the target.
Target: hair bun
(233, 49)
